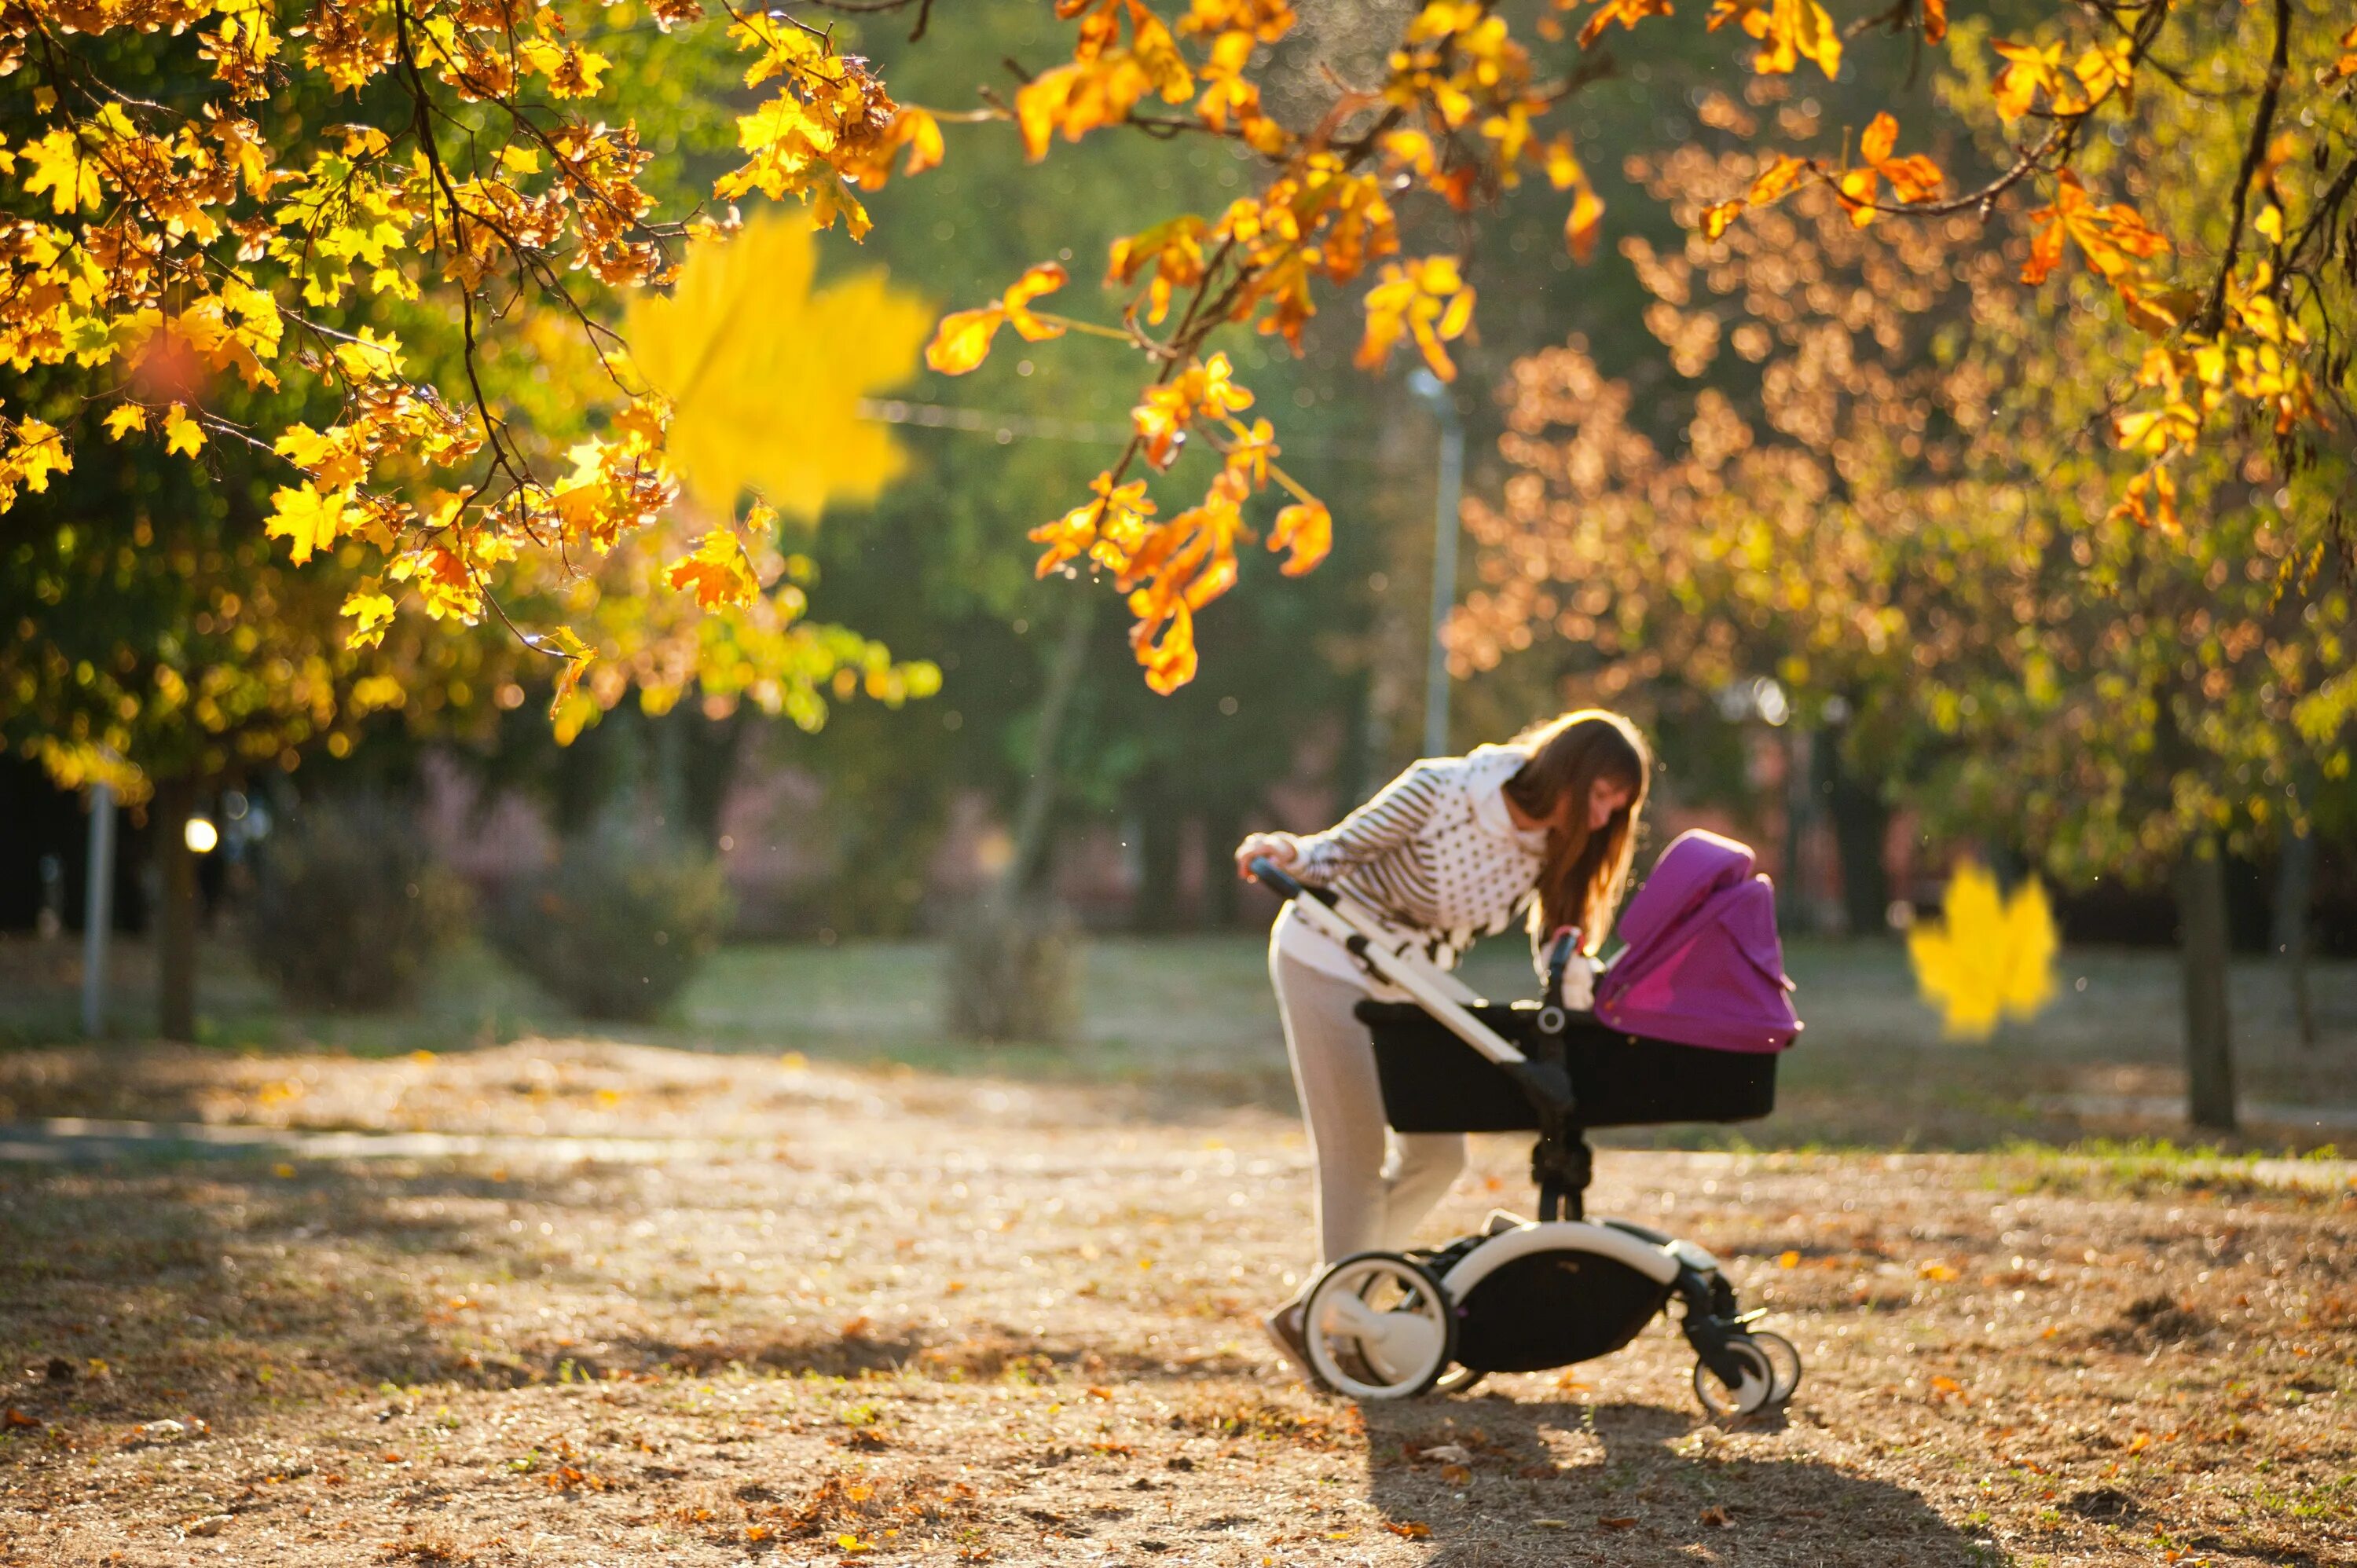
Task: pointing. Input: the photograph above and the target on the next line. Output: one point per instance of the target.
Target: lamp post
(1433, 393)
(98, 910)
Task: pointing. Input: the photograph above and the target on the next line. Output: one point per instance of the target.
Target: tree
(478, 176)
(165, 644)
(1908, 506)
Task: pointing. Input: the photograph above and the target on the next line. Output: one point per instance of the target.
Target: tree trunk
(1222, 831)
(176, 917)
(2295, 890)
(711, 748)
(1029, 869)
(2203, 951)
(1861, 832)
(1159, 835)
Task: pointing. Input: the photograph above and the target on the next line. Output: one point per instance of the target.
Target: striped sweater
(1435, 854)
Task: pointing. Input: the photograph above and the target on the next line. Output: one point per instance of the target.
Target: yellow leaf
(372, 613)
(1989, 957)
(765, 373)
(308, 520)
(182, 434)
(126, 418)
(717, 571)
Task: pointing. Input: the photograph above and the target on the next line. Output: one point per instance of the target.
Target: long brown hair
(1585, 873)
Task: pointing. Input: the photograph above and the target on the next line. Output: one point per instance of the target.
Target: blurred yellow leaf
(765, 373)
(1989, 958)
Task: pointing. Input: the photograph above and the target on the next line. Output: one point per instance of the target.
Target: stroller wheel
(1457, 1380)
(1378, 1326)
(1750, 1392)
(1783, 1362)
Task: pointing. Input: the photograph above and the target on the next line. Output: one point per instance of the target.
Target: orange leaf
(1045, 278)
(1880, 138)
(1627, 13)
(963, 339)
(1858, 188)
(1308, 530)
(1169, 663)
(717, 571)
(1584, 223)
(1935, 20)
(1620, 1522)
(1776, 179)
(1717, 216)
(1408, 1529)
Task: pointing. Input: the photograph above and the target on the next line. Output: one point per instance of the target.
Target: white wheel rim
(1402, 1346)
(1741, 1398)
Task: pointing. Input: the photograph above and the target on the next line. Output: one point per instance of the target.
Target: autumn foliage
(161, 241)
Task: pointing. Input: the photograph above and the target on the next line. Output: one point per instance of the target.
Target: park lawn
(702, 1307)
(1186, 1025)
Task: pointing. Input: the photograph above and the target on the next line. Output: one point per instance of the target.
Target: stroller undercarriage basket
(1434, 1082)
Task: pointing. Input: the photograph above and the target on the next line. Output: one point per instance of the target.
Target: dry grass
(820, 1315)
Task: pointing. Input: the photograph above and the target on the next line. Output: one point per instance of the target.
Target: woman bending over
(1454, 848)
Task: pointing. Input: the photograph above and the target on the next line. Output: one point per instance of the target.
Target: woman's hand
(1278, 847)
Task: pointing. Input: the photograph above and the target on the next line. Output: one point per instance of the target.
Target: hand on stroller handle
(1283, 883)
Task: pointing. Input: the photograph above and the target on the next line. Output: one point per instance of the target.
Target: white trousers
(1374, 1186)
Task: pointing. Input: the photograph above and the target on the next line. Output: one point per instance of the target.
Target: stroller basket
(1434, 1082)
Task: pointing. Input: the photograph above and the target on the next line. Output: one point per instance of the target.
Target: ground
(835, 1291)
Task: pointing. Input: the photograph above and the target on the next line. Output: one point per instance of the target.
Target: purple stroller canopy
(1702, 966)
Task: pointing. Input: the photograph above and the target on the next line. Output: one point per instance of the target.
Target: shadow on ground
(1634, 1486)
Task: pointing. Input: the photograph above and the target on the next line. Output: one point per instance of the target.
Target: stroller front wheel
(1457, 1380)
(1784, 1363)
(1378, 1326)
(1752, 1391)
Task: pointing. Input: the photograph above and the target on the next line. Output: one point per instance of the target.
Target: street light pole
(97, 909)
(1434, 393)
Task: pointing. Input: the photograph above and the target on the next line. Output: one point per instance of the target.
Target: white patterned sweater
(1437, 854)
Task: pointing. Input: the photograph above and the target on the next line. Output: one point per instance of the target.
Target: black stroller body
(1527, 1295)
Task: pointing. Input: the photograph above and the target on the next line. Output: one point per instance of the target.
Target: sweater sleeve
(1375, 828)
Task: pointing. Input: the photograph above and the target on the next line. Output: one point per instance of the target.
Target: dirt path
(816, 1316)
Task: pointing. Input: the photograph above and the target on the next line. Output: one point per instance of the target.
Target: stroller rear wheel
(1378, 1326)
(1752, 1391)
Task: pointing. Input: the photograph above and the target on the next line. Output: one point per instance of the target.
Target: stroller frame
(1519, 1295)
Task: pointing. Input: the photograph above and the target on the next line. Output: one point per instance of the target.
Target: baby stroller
(1687, 1024)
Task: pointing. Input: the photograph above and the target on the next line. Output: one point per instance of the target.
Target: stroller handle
(1284, 883)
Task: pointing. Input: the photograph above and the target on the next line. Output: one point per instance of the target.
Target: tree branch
(2213, 313)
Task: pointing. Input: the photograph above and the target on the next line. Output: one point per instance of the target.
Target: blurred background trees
(1823, 505)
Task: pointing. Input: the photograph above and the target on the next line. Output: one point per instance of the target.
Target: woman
(1452, 849)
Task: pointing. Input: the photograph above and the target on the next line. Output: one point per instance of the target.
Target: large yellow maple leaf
(765, 374)
(1989, 958)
